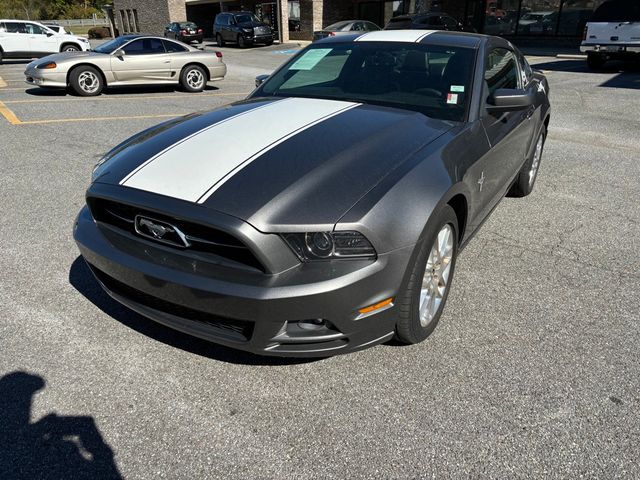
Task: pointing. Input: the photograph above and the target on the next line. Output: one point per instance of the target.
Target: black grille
(239, 329)
(201, 238)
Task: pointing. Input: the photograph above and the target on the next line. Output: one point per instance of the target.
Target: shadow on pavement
(61, 92)
(84, 282)
(628, 73)
(53, 447)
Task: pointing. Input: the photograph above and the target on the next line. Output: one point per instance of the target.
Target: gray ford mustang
(324, 213)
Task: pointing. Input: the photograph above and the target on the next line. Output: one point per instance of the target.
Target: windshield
(336, 27)
(246, 18)
(112, 45)
(433, 80)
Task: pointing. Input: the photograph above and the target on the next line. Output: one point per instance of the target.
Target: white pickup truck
(24, 39)
(613, 32)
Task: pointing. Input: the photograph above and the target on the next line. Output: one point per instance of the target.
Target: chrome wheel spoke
(435, 279)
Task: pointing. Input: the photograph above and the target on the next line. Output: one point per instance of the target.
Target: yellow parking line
(127, 97)
(93, 119)
(9, 115)
(3, 84)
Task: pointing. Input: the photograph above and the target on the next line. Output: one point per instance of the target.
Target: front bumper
(609, 48)
(259, 38)
(250, 311)
(38, 78)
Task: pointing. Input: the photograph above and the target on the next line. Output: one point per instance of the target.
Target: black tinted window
(501, 70)
(617, 11)
(15, 27)
(144, 46)
(173, 47)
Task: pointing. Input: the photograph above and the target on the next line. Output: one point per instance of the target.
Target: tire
(595, 61)
(70, 48)
(219, 40)
(526, 178)
(193, 78)
(86, 81)
(269, 43)
(242, 43)
(415, 324)
(0, 56)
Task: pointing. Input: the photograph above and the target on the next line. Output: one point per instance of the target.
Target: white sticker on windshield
(310, 59)
(452, 98)
(457, 88)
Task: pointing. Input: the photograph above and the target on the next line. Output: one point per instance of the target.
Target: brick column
(283, 20)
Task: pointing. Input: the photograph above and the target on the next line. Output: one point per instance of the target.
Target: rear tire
(193, 78)
(219, 40)
(0, 56)
(526, 179)
(422, 301)
(595, 61)
(86, 81)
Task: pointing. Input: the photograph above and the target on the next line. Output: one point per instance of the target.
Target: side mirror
(260, 79)
(119, 53)
(49, 34)
(509, 100)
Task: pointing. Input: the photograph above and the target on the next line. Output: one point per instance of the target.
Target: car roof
(429, 37)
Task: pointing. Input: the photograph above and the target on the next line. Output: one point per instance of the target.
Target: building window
(132, 25)
(124, 21)
(135, 20)
(538, 17)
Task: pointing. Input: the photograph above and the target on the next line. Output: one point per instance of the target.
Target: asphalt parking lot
(533, 371)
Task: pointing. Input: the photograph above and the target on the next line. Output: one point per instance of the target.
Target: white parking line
(3, 84)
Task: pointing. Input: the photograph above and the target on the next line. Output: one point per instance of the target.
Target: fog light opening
(313, 324)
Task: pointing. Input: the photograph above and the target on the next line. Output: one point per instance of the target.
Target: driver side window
(501, 70)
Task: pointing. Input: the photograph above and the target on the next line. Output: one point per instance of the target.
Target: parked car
(336, 222)
(57, 28)
(242, 28)
(128, 60)
(186, 32)
(612, 33)
(23, 39)
(427, 21)
(537, 23)
(345, 28)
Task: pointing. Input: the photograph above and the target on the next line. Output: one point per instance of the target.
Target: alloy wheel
(88, 82)
(435, 280)
(195, 78)
(536, 160)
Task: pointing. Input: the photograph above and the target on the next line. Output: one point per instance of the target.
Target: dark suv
(242, 28)
(426, 21)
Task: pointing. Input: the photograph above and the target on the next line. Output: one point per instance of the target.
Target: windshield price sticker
(310, 59)
(452, 98)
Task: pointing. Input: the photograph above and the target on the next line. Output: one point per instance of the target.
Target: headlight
(247, 30)
(46, 65)
(329, 245)
(82, 39)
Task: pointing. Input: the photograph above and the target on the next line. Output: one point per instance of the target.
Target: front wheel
(86, 81)
(525, 180)
(70, 48)
(219, 40)
(422, 301)
(242, 43)
(193, 78)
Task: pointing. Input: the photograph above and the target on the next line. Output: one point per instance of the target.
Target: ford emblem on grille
(161, 231)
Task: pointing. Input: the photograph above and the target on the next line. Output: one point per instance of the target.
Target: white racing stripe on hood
(394, 36)
(196, 167)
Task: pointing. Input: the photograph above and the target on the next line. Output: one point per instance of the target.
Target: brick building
(542, 22)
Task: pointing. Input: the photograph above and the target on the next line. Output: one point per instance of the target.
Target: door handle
(167, 61)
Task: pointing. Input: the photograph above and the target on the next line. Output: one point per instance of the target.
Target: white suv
(22, 39)
(613, 32)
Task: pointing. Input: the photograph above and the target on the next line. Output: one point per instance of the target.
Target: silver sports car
(128, 60)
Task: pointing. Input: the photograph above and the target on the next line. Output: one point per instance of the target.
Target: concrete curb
(571, 56)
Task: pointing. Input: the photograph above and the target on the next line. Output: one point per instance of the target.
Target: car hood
(252, 24)
(65, 56)
(275, 163)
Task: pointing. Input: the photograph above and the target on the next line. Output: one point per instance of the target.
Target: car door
(41, 40)
(508, 132)
(144, 61)
(14, 39)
